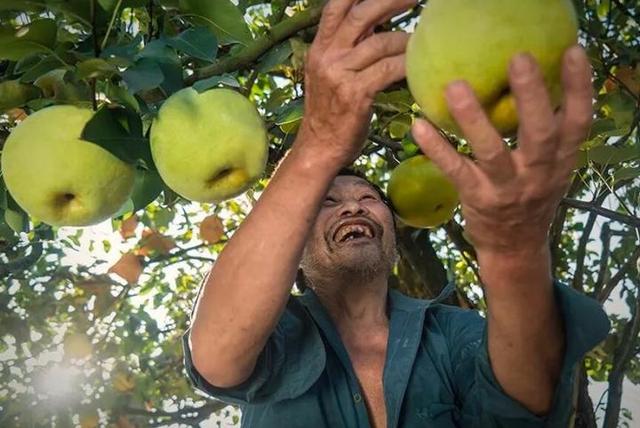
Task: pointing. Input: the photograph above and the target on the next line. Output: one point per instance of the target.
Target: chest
(368, 362)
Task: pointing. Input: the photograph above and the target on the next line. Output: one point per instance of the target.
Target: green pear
(421, 194)
(475, 41)
(209, 146)
(59, 178)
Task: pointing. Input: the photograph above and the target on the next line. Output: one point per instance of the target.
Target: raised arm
(246, 291)
(509, 199)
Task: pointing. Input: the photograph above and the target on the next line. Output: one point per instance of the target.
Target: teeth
(358, 229)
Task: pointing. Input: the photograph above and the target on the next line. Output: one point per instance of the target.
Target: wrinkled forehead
(348, 183)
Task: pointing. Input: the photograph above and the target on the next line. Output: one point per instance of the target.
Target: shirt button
(357, 397)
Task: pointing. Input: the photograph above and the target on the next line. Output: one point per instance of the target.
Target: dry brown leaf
(77, 345)
(629, 76)
(94, 286)
(128, 268)
(154, 242)
(16, 115)
(123, 382)
(124, 422)
(211, 229)
(128, 227)
(89, 419)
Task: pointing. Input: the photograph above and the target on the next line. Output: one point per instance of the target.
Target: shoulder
(295, 319)
(454, 320)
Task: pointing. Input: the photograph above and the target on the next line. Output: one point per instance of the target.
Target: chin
(362, 261)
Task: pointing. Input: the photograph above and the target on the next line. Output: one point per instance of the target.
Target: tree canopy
(92, 318)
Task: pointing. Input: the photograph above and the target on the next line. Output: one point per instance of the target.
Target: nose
(352, 207)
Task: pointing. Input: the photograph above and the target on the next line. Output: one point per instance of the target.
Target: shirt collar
(397, 300)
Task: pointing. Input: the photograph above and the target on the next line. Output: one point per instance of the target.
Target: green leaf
(222, 17)
(400, 126)
(16, 94)
(277, 98)
(163, 217)
(605, 127)
(409, 147)
(95, 68)
(159, 51)
(197, 42)
(38, 36)
(125, 50)
(628, 172)
(399, 101)
(33, 71)
(173, 77)
(275, 56)
(619, 106)
(58, 85)
(214, 81)
(147, 187)
(16, 220)
(119, 131)
(607, 155)
(290, 116)
(127, 207)
(119, 94)
(144, 75)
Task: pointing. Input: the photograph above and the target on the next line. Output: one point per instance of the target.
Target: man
(352, 353)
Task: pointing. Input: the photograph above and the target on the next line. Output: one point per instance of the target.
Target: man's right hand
(346, 66)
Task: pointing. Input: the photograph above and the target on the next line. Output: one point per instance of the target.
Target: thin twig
(613, 215)
(251, 52)
(113, 20)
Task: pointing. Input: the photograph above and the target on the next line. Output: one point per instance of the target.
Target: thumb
(436, 148)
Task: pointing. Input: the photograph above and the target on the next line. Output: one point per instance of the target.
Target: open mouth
(353, 232)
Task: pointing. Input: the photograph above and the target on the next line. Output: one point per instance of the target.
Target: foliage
(111, 330)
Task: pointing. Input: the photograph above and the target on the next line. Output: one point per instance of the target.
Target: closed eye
(329, 200)
(368, 197)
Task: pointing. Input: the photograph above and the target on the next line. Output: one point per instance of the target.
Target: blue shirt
(437, 372)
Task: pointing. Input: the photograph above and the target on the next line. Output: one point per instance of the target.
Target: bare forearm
(526, 335)
(247, 289)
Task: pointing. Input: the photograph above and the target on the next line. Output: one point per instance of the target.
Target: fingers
(376, 47)
(577, 109)
(363, 16)
(537, 129)
(452, 164)
(490, 151)
(381, 74)
(332, 16)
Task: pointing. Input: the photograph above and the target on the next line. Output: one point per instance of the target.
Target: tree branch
(557, 226)
(22, 263)
(250, 53)
(621, 358)
(417, 249)
(604, 293)
(454, 232)
(605, 238)
(585, 416)
(178, 417)
(385, 142)
(613, 215)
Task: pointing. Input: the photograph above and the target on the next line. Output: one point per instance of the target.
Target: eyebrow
(331, 193)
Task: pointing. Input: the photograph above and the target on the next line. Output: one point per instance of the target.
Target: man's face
(353, 234)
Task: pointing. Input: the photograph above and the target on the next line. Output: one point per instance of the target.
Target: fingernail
(422, 128)
(457, 92)
(574, 55)
(522, 63)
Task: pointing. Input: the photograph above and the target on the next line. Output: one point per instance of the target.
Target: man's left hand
(509, 197)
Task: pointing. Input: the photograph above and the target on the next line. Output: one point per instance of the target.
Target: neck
(354, 303)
